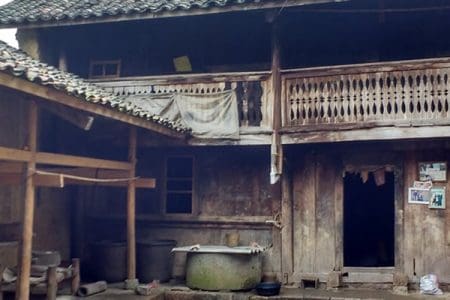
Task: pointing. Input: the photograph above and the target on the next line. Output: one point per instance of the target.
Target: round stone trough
(221, 268)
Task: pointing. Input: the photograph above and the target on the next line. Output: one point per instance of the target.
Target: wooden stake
(52, 284)
(131, 207)
(75, 275)
(23, 286)
(2, 269)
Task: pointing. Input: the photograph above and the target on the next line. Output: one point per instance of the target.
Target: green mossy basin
(223, 271)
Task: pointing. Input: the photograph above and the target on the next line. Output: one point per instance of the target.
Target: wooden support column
(131, 207)
(287, 255)
(276, 148)
(23, 285)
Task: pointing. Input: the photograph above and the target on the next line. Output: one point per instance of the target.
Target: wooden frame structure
(82, 171)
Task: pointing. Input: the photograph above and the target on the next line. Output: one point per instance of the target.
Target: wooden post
(2, 269)
(287, 258)
(52, 284)
(23, 286)
(276, 148)
(131, 207)
(75, 275)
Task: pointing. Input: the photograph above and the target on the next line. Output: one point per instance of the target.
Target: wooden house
(343, 116)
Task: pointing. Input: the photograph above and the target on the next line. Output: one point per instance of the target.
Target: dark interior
(368, 222)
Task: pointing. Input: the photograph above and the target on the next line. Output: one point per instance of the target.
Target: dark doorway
(368, 221)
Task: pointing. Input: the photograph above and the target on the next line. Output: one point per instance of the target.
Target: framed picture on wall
(437, 199)
(419, 196)
(434, 171)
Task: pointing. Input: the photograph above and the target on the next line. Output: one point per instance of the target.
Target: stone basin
(222, 268)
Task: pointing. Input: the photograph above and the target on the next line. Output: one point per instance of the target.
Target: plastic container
(109, 259)
(268, 288)
(154, 260)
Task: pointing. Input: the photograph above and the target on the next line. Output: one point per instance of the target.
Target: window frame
(103, 63)
(165, 190)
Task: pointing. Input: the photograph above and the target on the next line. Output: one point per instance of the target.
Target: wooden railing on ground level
(251, 90)
(382, 93)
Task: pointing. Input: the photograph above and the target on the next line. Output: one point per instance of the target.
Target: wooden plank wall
(422, 234)
(426, 240)
(231, 193)
(315, 232)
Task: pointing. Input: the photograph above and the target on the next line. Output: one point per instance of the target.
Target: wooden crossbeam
(40, 180)
(79, 161)
(11, 154)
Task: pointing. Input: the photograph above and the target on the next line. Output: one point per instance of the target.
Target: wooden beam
(88, 172)
(11, 154)
(23, 285)
(63, 98)
(182, 79)
(79, 161)
(41, 180)
(141, 183)
(11, 179)
(131, 207)
(381, 133)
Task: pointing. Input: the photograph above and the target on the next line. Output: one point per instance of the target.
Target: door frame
(398, 220)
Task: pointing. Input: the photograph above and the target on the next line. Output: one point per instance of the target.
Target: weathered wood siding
(231, 193)
(426, 231)
(422, 239)
(314, 201)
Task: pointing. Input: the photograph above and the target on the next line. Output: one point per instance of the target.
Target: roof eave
(168, 14)
(60, 97)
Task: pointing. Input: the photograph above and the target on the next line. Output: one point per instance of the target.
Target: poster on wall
(419, 196)
(434, 171)
(426, 185)
(437, 199)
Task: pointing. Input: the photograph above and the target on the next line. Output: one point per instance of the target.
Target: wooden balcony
(251, 90)
(387, 100)
(381, 94)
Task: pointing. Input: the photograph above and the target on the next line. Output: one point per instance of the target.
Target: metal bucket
(154, 260)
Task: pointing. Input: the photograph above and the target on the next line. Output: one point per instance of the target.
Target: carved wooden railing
(411, 92)
(251, 90)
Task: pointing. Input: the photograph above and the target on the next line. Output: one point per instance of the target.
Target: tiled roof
(19, 64)
(34, 11)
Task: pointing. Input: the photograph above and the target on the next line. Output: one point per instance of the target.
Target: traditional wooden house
(316, 126)
(45, 114)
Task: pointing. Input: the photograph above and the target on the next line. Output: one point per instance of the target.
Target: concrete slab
(183, 293)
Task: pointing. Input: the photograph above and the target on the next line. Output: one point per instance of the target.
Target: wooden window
(104, 69)
(179, 184)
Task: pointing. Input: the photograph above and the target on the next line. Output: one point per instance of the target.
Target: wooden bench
(50, 287)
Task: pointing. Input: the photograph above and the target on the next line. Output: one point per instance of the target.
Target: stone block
(334, 280)
(400, 279)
